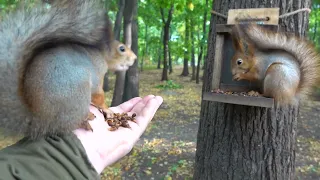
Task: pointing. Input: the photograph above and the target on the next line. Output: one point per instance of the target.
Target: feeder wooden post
(245, 137)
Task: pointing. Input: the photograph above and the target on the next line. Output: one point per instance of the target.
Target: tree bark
(170, 58)
(193, 60)
(159, 51)
(145, 54)
(117, 24)
(315, 8)
(202, 44)
(116, 31)
(121, 75)
(131, 89)
(185, 71)
(244, 142)
(166, 41)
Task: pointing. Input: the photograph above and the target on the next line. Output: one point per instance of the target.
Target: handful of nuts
(116, 120)
(120, 120)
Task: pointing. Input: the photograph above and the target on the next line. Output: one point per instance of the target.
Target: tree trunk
(193, 61)
(121, 76)
(159, 51)
(185, 71)
(166, 42)
(315, 8)
(106, 87)
(244, 142)
(165, 54)
(131, 89)
(202, 44)
(170, 58)
(146, 47)
(116, 31)
(118, 88)
(117, 24)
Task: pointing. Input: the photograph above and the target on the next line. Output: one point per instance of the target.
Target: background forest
(170, 40)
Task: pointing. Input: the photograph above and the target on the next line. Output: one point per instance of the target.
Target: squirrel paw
(237, 77)
(107, 113)
(85, 124)
(91, 116)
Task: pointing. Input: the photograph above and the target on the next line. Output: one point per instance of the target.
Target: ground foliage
(167, 149)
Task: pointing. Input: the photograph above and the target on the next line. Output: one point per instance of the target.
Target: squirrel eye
(239, 61)
(122, 49)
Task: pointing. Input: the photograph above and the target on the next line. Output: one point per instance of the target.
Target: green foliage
(149, 15)
(314, 23)
(169, 85)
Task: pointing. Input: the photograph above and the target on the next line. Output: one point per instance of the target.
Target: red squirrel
(285, 65)
(52, 64)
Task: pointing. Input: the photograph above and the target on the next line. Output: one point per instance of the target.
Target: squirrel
(283, 64)
(52, 64)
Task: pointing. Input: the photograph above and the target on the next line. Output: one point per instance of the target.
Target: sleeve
(48, 158)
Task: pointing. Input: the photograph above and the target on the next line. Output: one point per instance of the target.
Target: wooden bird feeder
(222, 76)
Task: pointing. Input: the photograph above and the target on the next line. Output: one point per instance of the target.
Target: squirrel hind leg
(281, 83)
(57, 94)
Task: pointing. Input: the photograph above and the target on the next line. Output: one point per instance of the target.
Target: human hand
(104, 147)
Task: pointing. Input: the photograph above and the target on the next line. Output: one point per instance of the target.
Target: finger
(126, 106)
(139, 106)
(147, 98)
(147, 113)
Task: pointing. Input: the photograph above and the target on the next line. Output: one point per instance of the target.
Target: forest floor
(167, 148)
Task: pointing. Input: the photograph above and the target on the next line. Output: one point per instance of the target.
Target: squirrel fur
(283, 64)
(52, 64)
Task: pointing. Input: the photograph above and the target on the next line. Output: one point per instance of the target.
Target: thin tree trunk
(131, 89)
(315, 24)
(202, 44)
(170, 58)
(118, 88)
(193, 61)
(121, 75)
(185, 71)
(116, 31)
(117, 24)
(159, 51)
(145, 54)
(166, 42)
(244, 142)
(165, 56)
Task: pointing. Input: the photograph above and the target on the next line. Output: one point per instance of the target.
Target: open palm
(105, 147)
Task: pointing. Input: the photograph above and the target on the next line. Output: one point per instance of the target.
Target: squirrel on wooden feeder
(283, 64)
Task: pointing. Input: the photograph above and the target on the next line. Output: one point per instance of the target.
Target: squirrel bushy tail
(303, 51)
(25, 33)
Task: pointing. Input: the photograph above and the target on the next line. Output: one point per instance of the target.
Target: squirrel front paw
(107, 113)
(85, 123)
(237, 77)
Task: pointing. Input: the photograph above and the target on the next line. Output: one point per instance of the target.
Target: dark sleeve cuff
(48, 158)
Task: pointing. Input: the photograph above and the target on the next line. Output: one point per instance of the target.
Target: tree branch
(170, 13)
(162, 15)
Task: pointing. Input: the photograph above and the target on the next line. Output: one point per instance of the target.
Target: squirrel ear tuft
(236, 39)
(239, 40)
(248, 48)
